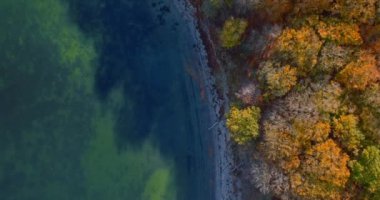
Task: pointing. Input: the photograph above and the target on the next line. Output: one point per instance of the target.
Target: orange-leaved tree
(307, 131)
(300, 47)
(326, 162)
(357, 75)
(323, 173)
(339, 32)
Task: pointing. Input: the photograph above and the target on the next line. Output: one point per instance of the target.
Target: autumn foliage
(359, 73)
(275, 10)
(329, 107)
(300, 47)
(340, 33)
(318, 79)
(326, 164)
(243, 124)
(362, 11)
(307, 131)
(312, 6)
(347, 132)
(282, 80)
(282, 147)
(232, 32)
(277, 80)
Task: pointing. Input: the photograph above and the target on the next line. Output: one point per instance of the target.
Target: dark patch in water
(140, 54)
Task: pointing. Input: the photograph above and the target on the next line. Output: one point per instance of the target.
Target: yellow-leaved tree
(276, 80)
(243, 124)
(282, 80)
(232, 32)
(347, 132)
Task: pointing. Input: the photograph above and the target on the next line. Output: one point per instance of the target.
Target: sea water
(99, 100)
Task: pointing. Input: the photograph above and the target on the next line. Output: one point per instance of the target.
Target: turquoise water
(97, 102)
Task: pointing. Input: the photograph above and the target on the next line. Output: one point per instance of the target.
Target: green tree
(216, 3)
(243, 124)
(232, 32)
(347, 132)
(366, 170)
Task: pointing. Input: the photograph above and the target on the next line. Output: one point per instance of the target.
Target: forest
(304, 87)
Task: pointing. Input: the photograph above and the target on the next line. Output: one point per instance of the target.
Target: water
(99, 99)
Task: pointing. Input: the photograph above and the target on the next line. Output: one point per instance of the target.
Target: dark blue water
(100, 100)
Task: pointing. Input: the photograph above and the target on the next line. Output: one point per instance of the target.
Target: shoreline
(224, 184)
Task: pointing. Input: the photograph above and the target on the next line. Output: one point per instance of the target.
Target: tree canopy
(243, 124)
(366, 170)
(232, 32)
(300, 47)
(315, 69)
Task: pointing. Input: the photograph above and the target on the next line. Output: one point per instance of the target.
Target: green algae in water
(111, 174)
(56, 140)
(158, 186)
(42, 123)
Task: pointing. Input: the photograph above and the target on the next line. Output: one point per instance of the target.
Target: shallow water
(99, 99)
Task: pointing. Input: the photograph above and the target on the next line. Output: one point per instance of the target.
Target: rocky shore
(209, 70)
